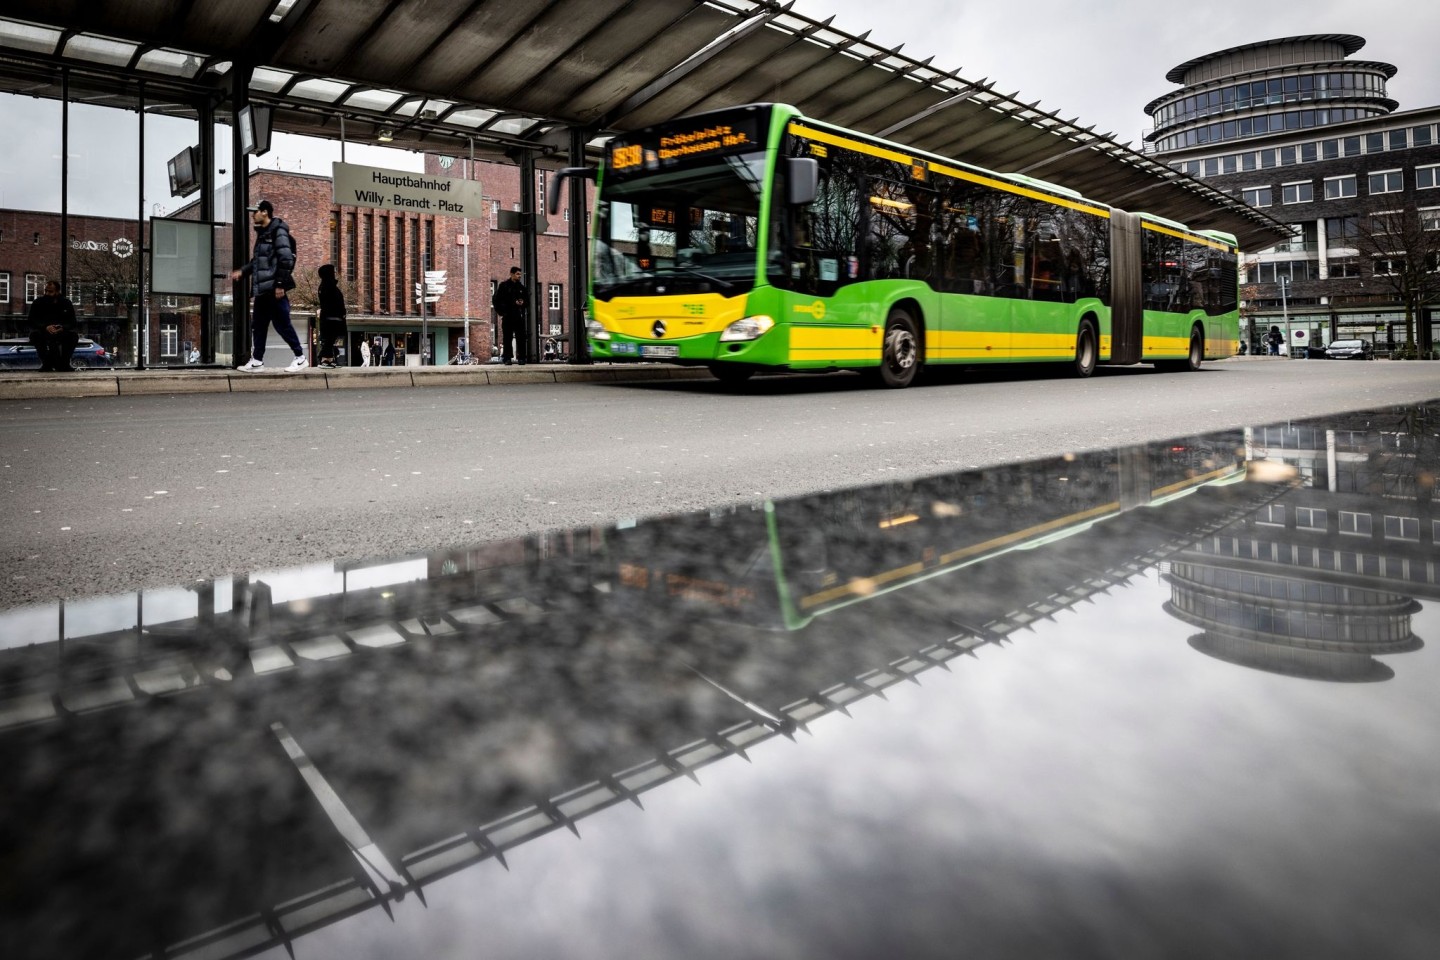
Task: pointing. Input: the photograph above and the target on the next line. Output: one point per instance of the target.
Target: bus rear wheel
(1087, 349)
(900, 354)
(1193, 357)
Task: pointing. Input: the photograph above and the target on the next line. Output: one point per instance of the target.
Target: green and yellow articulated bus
(755, 239)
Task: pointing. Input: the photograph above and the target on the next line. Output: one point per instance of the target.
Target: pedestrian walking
(364, 352)
(52, 329)
(389, 352)
(509, 302)
(1274, 338)
(272, 269)
(332, 314)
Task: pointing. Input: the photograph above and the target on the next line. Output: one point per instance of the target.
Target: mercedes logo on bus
(658, 329)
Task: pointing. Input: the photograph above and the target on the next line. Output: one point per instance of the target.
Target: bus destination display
(679, 145)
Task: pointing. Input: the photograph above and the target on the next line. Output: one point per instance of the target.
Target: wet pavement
(1164, 701)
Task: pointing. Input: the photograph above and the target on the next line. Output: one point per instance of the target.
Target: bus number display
(623, 158)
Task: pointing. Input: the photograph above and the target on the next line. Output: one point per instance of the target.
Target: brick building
(104, 257)
(1298, 128)
(378, 257)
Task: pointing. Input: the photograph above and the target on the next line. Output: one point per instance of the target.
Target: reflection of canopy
(513, 71)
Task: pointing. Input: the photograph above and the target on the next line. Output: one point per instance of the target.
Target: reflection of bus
(783, 563)
(755, 238)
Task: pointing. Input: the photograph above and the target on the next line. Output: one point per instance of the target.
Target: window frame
(1433, 169)
(1399, 181)
(1285, 188)
(169, 339)
(1268, 192)
(4, 286)
(1353, 180)
(34, 286)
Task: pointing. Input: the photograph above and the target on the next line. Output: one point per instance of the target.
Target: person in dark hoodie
(332, 314)
(272, 267)
(52, 319)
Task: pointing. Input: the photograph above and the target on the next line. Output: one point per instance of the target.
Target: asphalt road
(109, 494)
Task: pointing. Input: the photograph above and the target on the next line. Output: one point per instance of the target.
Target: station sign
(407, 192)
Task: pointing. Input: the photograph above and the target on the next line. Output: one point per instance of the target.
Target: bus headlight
(750, 328)
(596, 330)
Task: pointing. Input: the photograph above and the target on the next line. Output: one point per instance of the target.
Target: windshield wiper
(691, 268)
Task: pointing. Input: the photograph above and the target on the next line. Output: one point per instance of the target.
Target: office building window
(554, 293)
(335, 239)
(540, 190)
(1344, 270)
(1392, 266)
(34, 286)
(4, 287)
(1355, 524)
(494, 214)
(1258, 196)
(169, 339)
(1428, 177)
(73, 291)
(104, 295)
(1402, 528)
(1309, 518)
(1274, 514)
(403, 300)
(1387, 181)
(1298, 192)
(1338, 188)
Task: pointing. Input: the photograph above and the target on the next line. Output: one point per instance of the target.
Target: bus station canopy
(437, 74)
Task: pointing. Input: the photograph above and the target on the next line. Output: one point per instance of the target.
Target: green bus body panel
(844, 330)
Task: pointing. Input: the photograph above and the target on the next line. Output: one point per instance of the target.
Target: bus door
(1127, 317)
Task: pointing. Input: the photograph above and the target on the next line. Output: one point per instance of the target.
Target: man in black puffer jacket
(272, 267)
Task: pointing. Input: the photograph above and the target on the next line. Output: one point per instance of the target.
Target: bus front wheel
(900, 357)
(1087, 349)
(731, 373)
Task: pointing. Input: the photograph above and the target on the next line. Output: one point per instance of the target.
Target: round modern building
(1256, 89)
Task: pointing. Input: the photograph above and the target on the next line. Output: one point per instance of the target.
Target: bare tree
(1399, 247)
(111, 277)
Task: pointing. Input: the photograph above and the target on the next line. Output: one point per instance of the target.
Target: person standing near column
(272, 267)
(509, 303)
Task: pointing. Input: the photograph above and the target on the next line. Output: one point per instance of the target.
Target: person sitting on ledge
(52, 333)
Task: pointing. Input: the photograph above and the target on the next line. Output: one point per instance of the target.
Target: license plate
(655, 350)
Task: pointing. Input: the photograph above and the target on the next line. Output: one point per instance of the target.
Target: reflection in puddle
(222, 768)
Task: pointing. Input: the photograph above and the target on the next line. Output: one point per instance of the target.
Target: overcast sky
(1103, 60)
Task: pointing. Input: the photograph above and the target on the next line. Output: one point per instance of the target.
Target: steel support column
(529, 258)
(579, 279)
(240, 216)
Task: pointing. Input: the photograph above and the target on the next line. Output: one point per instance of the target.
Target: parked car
(1350, 350)
(18, 354)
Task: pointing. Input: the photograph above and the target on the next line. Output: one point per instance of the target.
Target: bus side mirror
(560, 177)
(802, 180)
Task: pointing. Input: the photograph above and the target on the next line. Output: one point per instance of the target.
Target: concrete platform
(27, 385)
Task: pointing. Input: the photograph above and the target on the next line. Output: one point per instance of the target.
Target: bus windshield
(689, 231)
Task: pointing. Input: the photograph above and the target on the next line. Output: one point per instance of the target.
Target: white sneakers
(251, 365)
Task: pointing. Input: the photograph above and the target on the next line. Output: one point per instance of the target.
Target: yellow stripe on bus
(854, 342)
(866, 585)
(1165, 346)
(860, 146)
(1145, 225)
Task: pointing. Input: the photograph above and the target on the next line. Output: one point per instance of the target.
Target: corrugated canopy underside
(516, 70)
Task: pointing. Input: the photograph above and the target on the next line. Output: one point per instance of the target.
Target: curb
(134, 383)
